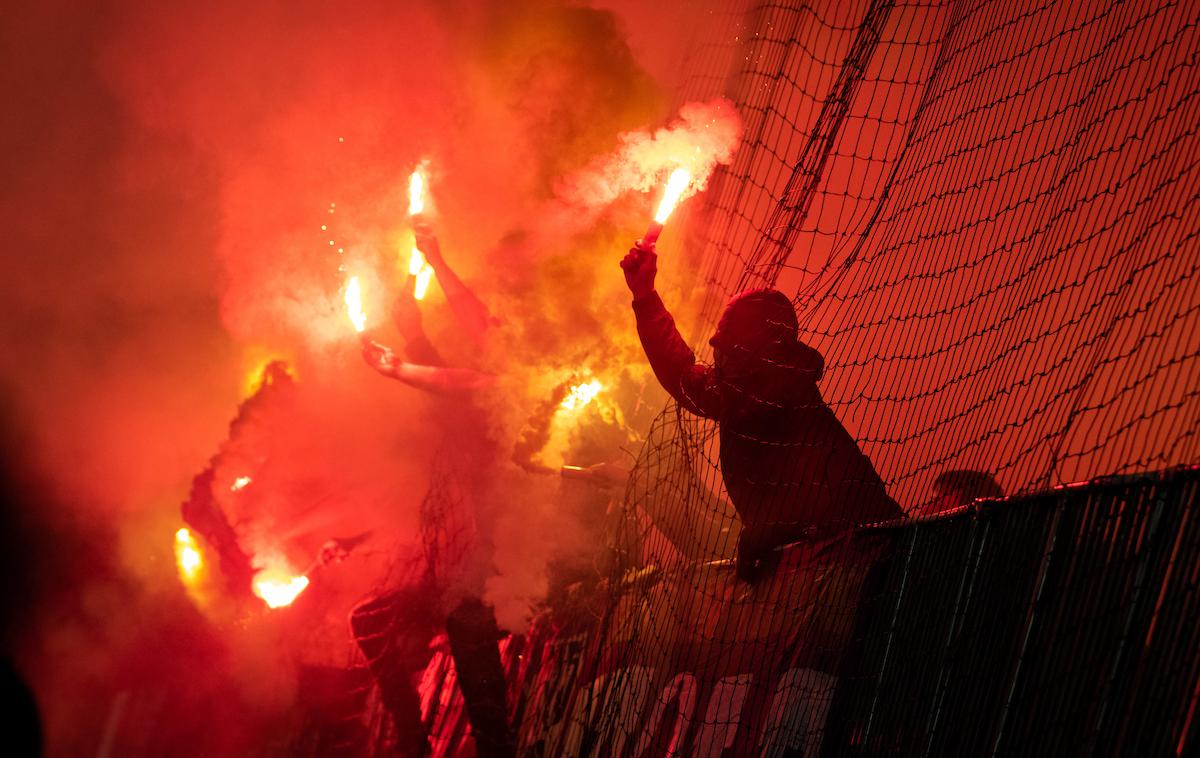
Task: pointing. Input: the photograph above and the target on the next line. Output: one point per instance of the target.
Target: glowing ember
(240, 482)
(679, 181)
(416, 193)
(580, 395)
(277, 587)
(354, 308)
(187, 556)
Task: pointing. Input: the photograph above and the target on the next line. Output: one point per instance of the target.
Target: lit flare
(416, 262)
(677, 184)
(278, 587)
(420, 268)
(421, 285)
(417, 265)
(580, 395)
(679, 181)
(354, 306)
(416, 193)
(187, 556)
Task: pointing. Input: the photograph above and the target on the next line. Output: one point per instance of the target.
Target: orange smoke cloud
(704, 136)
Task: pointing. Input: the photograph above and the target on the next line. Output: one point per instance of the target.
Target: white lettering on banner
(799, 708)
(719, 727)
(431, 682)
(547, 714)
(449, 722)
(683, 687)
(629, 688)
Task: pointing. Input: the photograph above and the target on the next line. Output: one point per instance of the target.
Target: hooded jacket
(790, 468)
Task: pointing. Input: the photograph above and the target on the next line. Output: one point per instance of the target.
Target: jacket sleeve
(674, 363)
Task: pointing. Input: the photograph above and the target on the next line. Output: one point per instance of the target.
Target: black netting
(985, 216)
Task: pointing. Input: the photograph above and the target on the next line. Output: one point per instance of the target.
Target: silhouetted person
(956, 488)
(384, 626)
(791, 469)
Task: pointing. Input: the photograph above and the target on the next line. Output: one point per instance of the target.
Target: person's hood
(761, 353)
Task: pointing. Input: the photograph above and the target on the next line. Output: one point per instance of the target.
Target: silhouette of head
(759, 328)
(964, 485)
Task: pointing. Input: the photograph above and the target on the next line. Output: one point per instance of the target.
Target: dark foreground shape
(473, 635)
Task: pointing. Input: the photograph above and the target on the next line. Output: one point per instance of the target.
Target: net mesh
(985, 215)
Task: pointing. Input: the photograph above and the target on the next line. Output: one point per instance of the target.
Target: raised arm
(417, 347)
(674, 363)
(437, 379)
(468, 309)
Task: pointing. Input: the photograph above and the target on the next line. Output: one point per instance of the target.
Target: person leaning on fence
(791, 469)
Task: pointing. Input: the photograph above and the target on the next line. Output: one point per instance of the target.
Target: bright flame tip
(580, 395)
(354, 308)
(277, 591)
(416, 192)
(678, 182)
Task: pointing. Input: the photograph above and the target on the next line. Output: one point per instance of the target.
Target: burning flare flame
(676, 184)
(354, 307)
(278, 587)
(580, 395)
(421, 285)
(418, 267)
(416, 193)
(187, 556)
(416, 262)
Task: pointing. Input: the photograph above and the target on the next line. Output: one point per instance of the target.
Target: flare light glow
(679, 181)
(417, 265)
(677, 184)
(278, 587)
(187, 556)
(354, 307)
(419, 268)
(416, 193)
(580, 395)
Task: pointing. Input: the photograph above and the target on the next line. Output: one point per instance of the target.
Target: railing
(1060, 623)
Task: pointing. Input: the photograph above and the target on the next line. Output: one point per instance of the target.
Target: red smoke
(177, 178)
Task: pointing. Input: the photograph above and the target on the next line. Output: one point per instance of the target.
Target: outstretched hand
(640, 265)
(378, 357)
